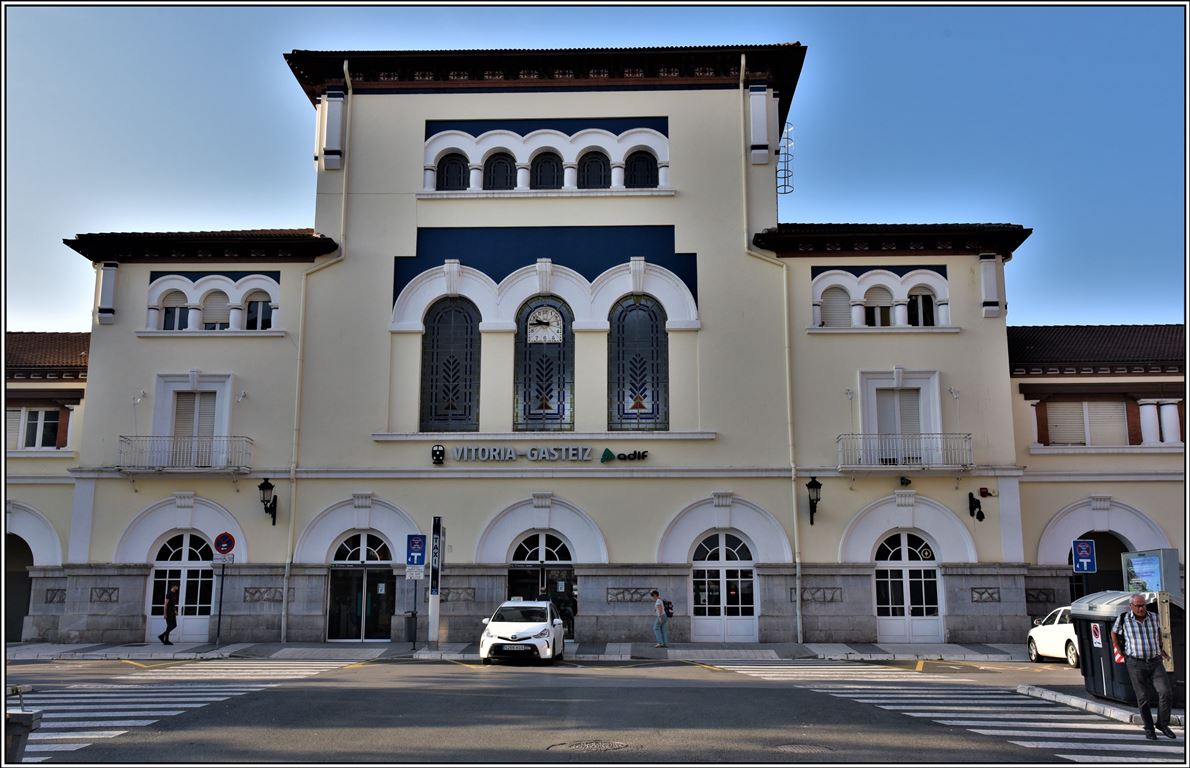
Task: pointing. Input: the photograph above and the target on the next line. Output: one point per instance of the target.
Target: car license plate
(516, 647)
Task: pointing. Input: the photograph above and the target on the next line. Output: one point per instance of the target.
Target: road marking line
(707, 666)
(1083, 722)
(1098, 747)
(1058, 734)
(1116, 759)
(98, 723)
(39, 736)
(151, 713)
(55, 747)
(1032, 715)
(465, 664)
(920, 665)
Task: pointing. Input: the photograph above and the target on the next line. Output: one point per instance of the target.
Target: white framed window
(899, 400)
(32, 429)
(1095, 422)
(258, 312)
(836, 308)
(921, 307)
(216, 312)
(878, 307)
(174, 314)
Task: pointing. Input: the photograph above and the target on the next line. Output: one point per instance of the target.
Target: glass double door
(536, 582)
(362, 602)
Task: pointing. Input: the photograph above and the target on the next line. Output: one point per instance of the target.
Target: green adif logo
(634, 456)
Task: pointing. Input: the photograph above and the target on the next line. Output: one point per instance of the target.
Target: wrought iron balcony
(936, 450)
(166, 453)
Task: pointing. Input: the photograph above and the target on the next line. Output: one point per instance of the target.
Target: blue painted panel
(568, 126)
(899, 270)
(500, 251)
(192, 276)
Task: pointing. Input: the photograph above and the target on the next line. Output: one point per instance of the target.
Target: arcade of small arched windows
(213, 303)
(594, 170)
(880, 299)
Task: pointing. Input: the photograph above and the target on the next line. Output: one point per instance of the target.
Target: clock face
(545, 326)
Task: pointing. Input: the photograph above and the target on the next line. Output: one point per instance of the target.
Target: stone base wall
(1046, 588)
(838, 603)
(985, 603)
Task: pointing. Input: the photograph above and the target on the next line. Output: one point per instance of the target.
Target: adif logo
(634, 456)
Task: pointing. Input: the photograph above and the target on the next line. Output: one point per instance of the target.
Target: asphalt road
(431, 712)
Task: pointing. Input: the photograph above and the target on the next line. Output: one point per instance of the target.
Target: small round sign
(225, 543)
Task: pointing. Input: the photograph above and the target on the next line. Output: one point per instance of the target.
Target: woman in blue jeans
(660, 630)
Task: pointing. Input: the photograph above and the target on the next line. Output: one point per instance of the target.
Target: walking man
(1138, 634)
(171, 614)
(660, 630)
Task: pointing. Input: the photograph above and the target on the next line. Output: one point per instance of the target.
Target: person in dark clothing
(171, 614)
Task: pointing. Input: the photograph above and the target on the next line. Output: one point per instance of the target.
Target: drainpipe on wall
(797, 549)
(294, 449)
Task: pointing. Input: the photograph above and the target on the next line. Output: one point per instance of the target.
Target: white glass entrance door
(723, 602)
(185, 560)
(907, 591)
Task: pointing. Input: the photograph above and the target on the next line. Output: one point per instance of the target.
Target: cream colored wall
(974, 361)
(1136, 459)
(52, 501)
(123, 364)
(739, 379)
(1164, 503)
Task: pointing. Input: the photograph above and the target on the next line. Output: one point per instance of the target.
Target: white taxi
(523, 629)
(1054, 637)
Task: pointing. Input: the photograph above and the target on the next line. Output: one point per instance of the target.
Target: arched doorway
(18, 557)
(723, 595)
(363, 589)
(542, 564)
(183, 559)
(1109, 573)
(908, 594)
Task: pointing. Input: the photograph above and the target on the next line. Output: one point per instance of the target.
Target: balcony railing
(904, 451)
(165, 453)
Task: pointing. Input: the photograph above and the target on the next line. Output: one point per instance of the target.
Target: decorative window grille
(454, 173)
(640, 171)
(545, 172)
(563, 74)
(499, 172)
(634, 72)
(704, 71)
(668, 72)
(541, 548)
(459, 74)
(836, 308)
(493, 74)
(259, 314)
(638, 365)
(594, 171)
(921, 307)
(528, 74)
(722, 546)
(450, 367)
(192, 555)
(174, 314)
(597, 74)
(423, 75)
(363, 548)
(544, 373)
(894, 585)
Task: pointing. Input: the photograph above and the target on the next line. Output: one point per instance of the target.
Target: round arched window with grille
(183, 559)
(540, 547)
(363, 548)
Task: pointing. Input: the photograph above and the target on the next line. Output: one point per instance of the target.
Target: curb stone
(1112, 711)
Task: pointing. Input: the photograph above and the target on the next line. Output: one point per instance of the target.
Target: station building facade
(547, 299)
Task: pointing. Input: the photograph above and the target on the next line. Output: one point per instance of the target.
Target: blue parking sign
(1082, 553)
(415, 551)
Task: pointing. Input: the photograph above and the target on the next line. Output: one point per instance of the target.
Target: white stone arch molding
(181, 512)
(898, 286)
(541, 512)
(36, 530)
(590, 301)
(442, 144)
(721, 512)
(906, 510)
(1098, 514)
(927, 278)
(362, 512)
(570, 147)
(197, 290)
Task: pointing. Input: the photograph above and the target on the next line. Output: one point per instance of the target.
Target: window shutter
(1043, 424)
(63, 427)
(174, 299)
(216, 309)
(184, 414)
(206, 414)
(886, 411)
(1108, 422)
(1133, 415)
(1066, 423)
(836, 308)
(878, 297)
(12, 429)
(910, 401)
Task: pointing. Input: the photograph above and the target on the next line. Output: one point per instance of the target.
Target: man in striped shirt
(1138, 633)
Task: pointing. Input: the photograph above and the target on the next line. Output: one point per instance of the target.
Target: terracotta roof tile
(46, 351)
(1056, 346)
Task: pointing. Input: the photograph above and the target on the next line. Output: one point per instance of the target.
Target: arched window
(722, 546)
(544, 366)
(921, 307)
(450, 367)
(174, 313)
(723, 582)
(640, 170)
(902, 589)
(258, 315)
(594, 171)
(216, 312)
(499, 172)
(541, 548)
(637, 365)
(836, 308)
(363, 548)
(454, 173)
(184, 560)
(878, 307)
(545, 172)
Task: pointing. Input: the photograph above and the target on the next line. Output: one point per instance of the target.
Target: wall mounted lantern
(974, 507)
(815, 490)
(268, 499)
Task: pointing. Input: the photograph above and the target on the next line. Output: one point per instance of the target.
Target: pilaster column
(476, 178)
(569, 176)
(152, 319)
(901, 312)
(429, 178)
(663, 175)
(522, 176)
(193, 317)
(617, 175)
(1150, 426)
(942, 312)
(1033, 420)
(276, 316)
(235, 320)
(857, 314)
(1171, 428)
(816, 317)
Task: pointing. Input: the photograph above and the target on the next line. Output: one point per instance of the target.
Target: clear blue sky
(1070, 121)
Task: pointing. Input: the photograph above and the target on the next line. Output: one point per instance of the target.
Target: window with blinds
(259, 314)
(12, 429)
(173, 312)
(194, 429)
(216, 312)
(1095, 422)
(836, 308)
(878, 307)
(898, 420)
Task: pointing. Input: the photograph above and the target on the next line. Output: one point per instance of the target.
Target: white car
(523, 629)
(1054, 637)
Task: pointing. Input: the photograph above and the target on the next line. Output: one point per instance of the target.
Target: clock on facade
(545, 326)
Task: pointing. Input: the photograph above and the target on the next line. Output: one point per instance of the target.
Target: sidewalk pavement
(1070, 695)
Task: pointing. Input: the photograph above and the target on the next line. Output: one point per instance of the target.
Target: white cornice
(441, 437)
(1080, 450)
(502, 194)
(222, 334)
(889, 329)
(1177, 476)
